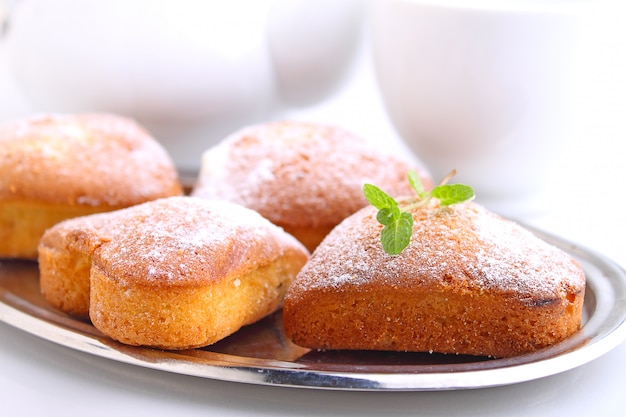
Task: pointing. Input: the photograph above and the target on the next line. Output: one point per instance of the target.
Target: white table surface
(583, 201)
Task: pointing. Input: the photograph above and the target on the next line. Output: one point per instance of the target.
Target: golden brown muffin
(54, 167)
(470, 282)
(304, 177)
(174, 273)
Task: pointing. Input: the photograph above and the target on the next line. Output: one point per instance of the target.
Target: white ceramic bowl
(482, 86)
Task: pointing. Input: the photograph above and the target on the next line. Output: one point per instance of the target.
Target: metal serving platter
(261, 354)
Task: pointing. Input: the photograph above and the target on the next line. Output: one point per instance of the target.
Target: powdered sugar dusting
(299, 174)
(88, 159)
(462, 245)
(182, 241)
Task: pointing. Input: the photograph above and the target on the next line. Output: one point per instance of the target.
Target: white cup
(190, 71)
(479, 86)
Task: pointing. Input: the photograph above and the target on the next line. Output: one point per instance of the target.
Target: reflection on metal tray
(261, 354)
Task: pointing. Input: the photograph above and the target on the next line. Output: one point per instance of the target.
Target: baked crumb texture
(54, 167)
(305, 177)
(174, 273)
(470, 282)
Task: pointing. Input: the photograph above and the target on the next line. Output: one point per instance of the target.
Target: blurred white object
(480, 86)
(191, 71)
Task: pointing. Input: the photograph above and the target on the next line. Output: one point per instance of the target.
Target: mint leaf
(398, 222)
(378, 198)
(449, 194)
(416, 183)
(388, 215)
(396, 236)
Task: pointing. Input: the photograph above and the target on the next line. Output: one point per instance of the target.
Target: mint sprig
(397, 221)
(396, 234)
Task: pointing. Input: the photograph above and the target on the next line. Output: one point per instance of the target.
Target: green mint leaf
(396, 236)
(398, 221)
(449, 194)
(416, 183)
(378, 198)
(388, 215)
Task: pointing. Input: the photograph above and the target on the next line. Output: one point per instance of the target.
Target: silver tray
(260, 353)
